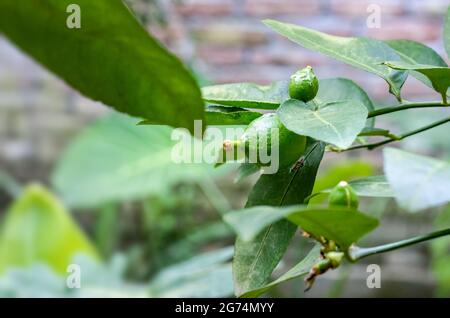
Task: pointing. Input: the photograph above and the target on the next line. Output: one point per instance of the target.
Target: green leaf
(417, 53)
(254, 261)
(373, 186)
(438, 76)
(447, 32)
(299, 270)
(338, 123)
(340, 89)
(342, 225)
(111, 58)
(245, 170)
(247, 95)
(115, 160)
(363, 53)
(220, 115)
(206, 275)
(418, 182)
(37, 228)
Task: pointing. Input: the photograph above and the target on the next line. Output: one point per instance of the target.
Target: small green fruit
(257, 139)
(343, 195)
(304, 85)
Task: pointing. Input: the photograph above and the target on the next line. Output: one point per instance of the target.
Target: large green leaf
(115, 160)
(37, 228)
(418, 182)
(341, 89)
(437, 75)
(254, 261)
(299, 270)
(111, 58)
(338, 123)
(342, 225)
(363, 53)
(447, 33)
(417, 53)
(270, 97)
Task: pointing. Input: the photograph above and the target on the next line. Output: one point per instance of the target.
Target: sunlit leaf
(342, 225)
(363, 53)
(115, 160)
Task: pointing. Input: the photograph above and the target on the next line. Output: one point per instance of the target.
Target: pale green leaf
(115, 160)
(338, 123)
(418, 182)
(255, 261)
(37, 228)
(205, 275)
(245, 170)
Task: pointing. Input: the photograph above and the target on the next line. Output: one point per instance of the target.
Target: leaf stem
(392, 109)
(356, 253)
(400, 137)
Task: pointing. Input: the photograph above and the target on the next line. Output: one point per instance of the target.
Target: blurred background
(151, 232)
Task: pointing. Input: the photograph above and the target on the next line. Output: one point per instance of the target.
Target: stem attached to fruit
(356, 253)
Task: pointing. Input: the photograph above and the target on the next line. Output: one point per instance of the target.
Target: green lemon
(264, 140)
(260, 137)
(304, 85)
(343, 195)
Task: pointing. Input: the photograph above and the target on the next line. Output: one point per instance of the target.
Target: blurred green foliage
(37, 228)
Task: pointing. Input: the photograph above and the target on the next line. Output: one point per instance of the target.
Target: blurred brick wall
(224, 40)
(231, 44)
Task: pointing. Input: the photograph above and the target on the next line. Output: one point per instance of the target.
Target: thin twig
(356, 253)
(399, 137)
(400, 107)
